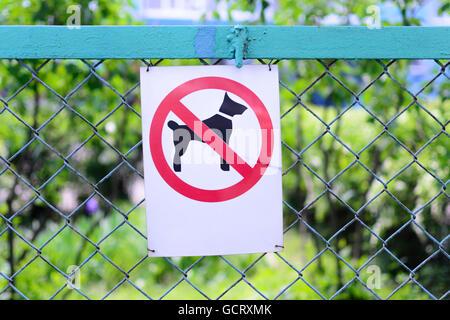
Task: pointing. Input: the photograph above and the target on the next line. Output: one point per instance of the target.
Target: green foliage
(72, 126)
(108, 12)
(212, 274)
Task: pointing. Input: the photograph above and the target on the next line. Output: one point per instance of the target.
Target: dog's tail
(173, 125)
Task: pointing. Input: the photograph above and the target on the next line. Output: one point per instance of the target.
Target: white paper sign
(212, 160)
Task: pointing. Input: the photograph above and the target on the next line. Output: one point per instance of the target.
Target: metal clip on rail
(238, 39)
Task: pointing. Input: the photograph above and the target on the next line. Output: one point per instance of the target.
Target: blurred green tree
(74, 107)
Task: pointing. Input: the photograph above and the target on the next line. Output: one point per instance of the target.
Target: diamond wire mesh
(33, 214)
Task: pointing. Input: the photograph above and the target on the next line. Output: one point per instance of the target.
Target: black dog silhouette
(218, 123)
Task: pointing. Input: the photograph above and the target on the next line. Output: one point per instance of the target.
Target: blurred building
(185, 12)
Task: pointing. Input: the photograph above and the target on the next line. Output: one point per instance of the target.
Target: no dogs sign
(212, 160)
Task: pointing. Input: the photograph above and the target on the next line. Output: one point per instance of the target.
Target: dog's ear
(227, 98)
(231, 107)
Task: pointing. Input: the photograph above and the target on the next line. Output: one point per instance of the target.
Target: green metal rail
(227, 42)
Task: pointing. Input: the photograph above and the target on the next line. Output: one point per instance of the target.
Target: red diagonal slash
(215, 142)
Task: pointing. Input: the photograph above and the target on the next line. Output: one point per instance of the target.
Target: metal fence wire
(365, 175)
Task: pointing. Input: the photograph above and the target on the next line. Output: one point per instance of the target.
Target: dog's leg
(223, 164)
(176, 164)
(181, 141)
(180, 149)
(177, 158)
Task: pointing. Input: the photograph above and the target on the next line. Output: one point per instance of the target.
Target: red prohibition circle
(157, 125)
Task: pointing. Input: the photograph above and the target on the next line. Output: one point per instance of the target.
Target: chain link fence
(365, 175)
